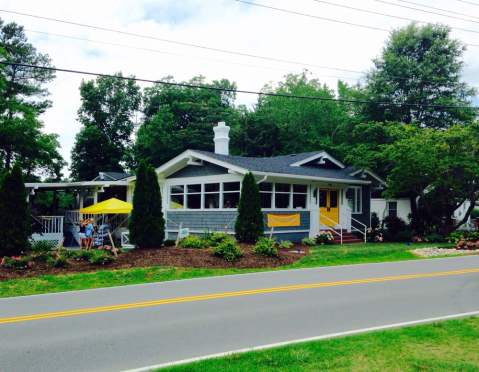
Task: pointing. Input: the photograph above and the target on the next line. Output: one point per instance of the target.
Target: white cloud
(217, 23)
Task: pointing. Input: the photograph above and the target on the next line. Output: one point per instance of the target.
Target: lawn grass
(319, 256)
(446, 346)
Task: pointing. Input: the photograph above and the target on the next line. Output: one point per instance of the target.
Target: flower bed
(165, 256)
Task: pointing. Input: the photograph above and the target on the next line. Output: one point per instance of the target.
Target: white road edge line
(300, 340)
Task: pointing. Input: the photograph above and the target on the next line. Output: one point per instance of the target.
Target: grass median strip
(445, 346)
(213, 296)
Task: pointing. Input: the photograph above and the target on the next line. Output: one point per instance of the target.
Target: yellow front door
(328, 207)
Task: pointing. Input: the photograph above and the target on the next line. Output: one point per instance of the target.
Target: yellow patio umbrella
(110, 206)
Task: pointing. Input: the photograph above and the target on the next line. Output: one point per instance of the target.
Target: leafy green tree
(420, 65)
(255, 136)
(177, 118)
(304, 125)
(107, 114)
(249, 224)
(438, 169)
(15, 225)
(23, 97)
(147, 225)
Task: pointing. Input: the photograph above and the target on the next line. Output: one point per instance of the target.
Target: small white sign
(183, 232)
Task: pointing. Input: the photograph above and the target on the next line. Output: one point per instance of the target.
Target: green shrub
(457, 235)
(285, 244)
(193, 241)
(308, 241)
(217, 238)
(147, 225)
(81, 255)
(42, 247)
(324, 237)
(169, 243)
(100, 257)
(17, 262)
(57, 260)
(228, 250)
(266, 247)
(249, 224)
(15, 225)
(475, 213)
(434, 238)
(395, 229)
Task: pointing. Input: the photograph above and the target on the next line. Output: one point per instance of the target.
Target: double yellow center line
(213, 296)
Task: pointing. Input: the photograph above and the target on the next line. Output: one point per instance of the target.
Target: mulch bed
(165, 256)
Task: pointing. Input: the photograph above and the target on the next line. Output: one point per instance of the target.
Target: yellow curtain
(282, 220)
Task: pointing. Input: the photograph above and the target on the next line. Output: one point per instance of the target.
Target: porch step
(348, 238)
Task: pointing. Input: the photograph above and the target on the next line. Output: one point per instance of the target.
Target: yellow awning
(110, 206)
(283, 220)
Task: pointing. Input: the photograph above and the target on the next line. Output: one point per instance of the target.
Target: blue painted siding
(201, 220)
(293, 237)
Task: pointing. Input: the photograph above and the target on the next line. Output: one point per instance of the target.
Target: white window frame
(358, 195)
(388, 209)
(229, 192)
(191, 181)
(219, 192)
(291, 192)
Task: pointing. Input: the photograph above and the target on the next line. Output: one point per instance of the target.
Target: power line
(442, 10)
(182, 43)
(382, 14)
(179, 54)
(343, 22)
(303, 64)
(468, 2)
(231, 90)
(430, 12)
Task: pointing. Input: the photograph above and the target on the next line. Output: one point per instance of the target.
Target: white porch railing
(51, 224)
(362, 230)
(332, 229)
(51, 229)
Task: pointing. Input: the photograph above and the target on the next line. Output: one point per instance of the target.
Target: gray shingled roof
(114, 176)
(282, 164)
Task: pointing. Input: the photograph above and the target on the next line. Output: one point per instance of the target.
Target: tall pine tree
(15, 224)
(249, 223)
(147, 225)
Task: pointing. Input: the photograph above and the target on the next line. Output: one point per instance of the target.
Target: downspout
(262, 180)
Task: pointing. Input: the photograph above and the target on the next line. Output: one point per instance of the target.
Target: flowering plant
(324, 237)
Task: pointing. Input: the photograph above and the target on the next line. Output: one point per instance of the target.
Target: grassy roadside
(320, 256)
(445, 346)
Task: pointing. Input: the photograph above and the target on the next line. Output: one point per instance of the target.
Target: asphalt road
(163, 322)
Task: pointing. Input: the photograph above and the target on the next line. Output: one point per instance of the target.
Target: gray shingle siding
(201, 220)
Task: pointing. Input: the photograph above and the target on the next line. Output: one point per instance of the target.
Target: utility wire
(431, 12)
(231, 90)
(274, 59)
(198, 46)
(345, 22)
(468, 2)
(440, 9)
(181, 55)
(384, 14)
